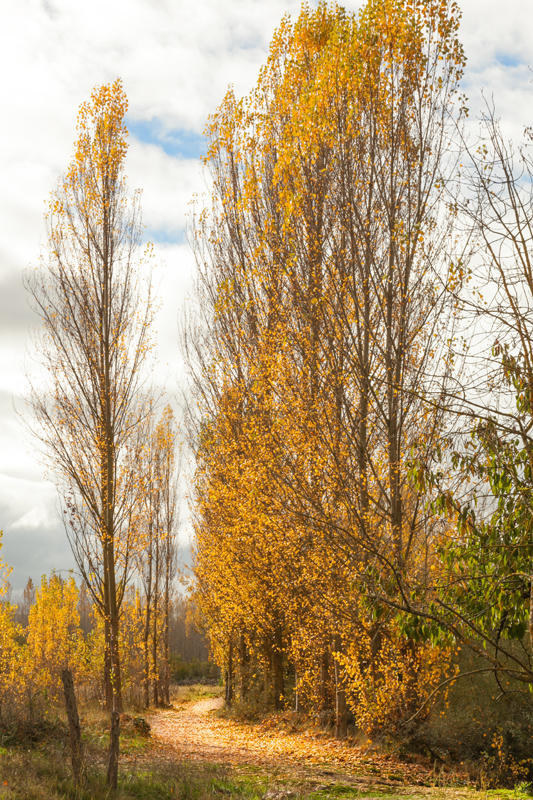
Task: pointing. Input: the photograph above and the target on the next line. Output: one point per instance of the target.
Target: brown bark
(116, 681)
(107, 668)
(114, 748)
(324, 684)
(278, 678)
(76, 747)
(229, 676)
(244, 659)
(155, 632)
(165, 683)
(531, 612)
(147, 622)
(341, 709)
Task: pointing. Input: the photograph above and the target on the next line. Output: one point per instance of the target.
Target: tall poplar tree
(95, 307)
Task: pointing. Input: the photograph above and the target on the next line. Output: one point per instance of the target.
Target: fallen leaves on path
(197, 732)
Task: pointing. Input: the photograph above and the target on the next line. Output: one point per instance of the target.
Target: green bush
(192, 671)
(483, 727)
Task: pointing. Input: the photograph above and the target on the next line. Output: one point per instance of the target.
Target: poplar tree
(323, 277)
(94, 303)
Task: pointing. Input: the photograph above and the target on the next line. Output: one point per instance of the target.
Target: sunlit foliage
(322, 275)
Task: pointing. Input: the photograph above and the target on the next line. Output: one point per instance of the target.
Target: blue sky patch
(177, 142)
(508, 59)
(163, 236)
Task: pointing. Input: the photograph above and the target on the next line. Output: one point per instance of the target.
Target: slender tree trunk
(114, 664)
(165, 670)
(76, 747)
(229, 675)
(531, 611)
(341, 710)
(108, 499)
(114, 733)
(107, 666)
(114, 749)
(324, 678)
(147, 622)
(267, 674)
(155, 673)
(155, 637)
(277, 670)
(114, 623)
(146, 652)
(166, 626)
(243, 667)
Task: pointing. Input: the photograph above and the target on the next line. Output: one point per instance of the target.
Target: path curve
(195, 731)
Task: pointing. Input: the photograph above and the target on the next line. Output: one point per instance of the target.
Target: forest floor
(291, 761)
(196, 751)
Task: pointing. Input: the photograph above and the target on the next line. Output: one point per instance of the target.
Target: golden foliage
(320, 261)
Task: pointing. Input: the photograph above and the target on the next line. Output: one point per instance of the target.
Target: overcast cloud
(176, 60)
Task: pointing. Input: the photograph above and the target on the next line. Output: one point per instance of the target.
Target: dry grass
(163, 767)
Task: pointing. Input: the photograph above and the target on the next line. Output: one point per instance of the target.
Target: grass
(195, 692)
(40, 770)
(376, 793)
(42, 773)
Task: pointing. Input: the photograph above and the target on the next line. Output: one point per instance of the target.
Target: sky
(176, 60)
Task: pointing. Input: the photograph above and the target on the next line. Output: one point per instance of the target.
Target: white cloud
(167, 185)
(173, 282)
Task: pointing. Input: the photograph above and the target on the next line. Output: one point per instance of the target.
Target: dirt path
(195, 731)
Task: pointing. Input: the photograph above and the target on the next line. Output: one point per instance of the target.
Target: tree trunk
(341, 710)
(277, 670)
(243, 667)
(324, 685)
(76, 748)
(146, 653)
(229, 675)
(155, 637)
(278, 679)
(116, 683)
(531, 611)
(147, 620)
(107, 667)
(114, 732)
(114, 747)
(155, 668)
(166, 629)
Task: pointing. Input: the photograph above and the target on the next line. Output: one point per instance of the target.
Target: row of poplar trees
(109, 447)
(324, 359)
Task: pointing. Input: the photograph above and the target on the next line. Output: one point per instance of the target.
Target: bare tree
(156, 557)
(170, 464)
(488, 602)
